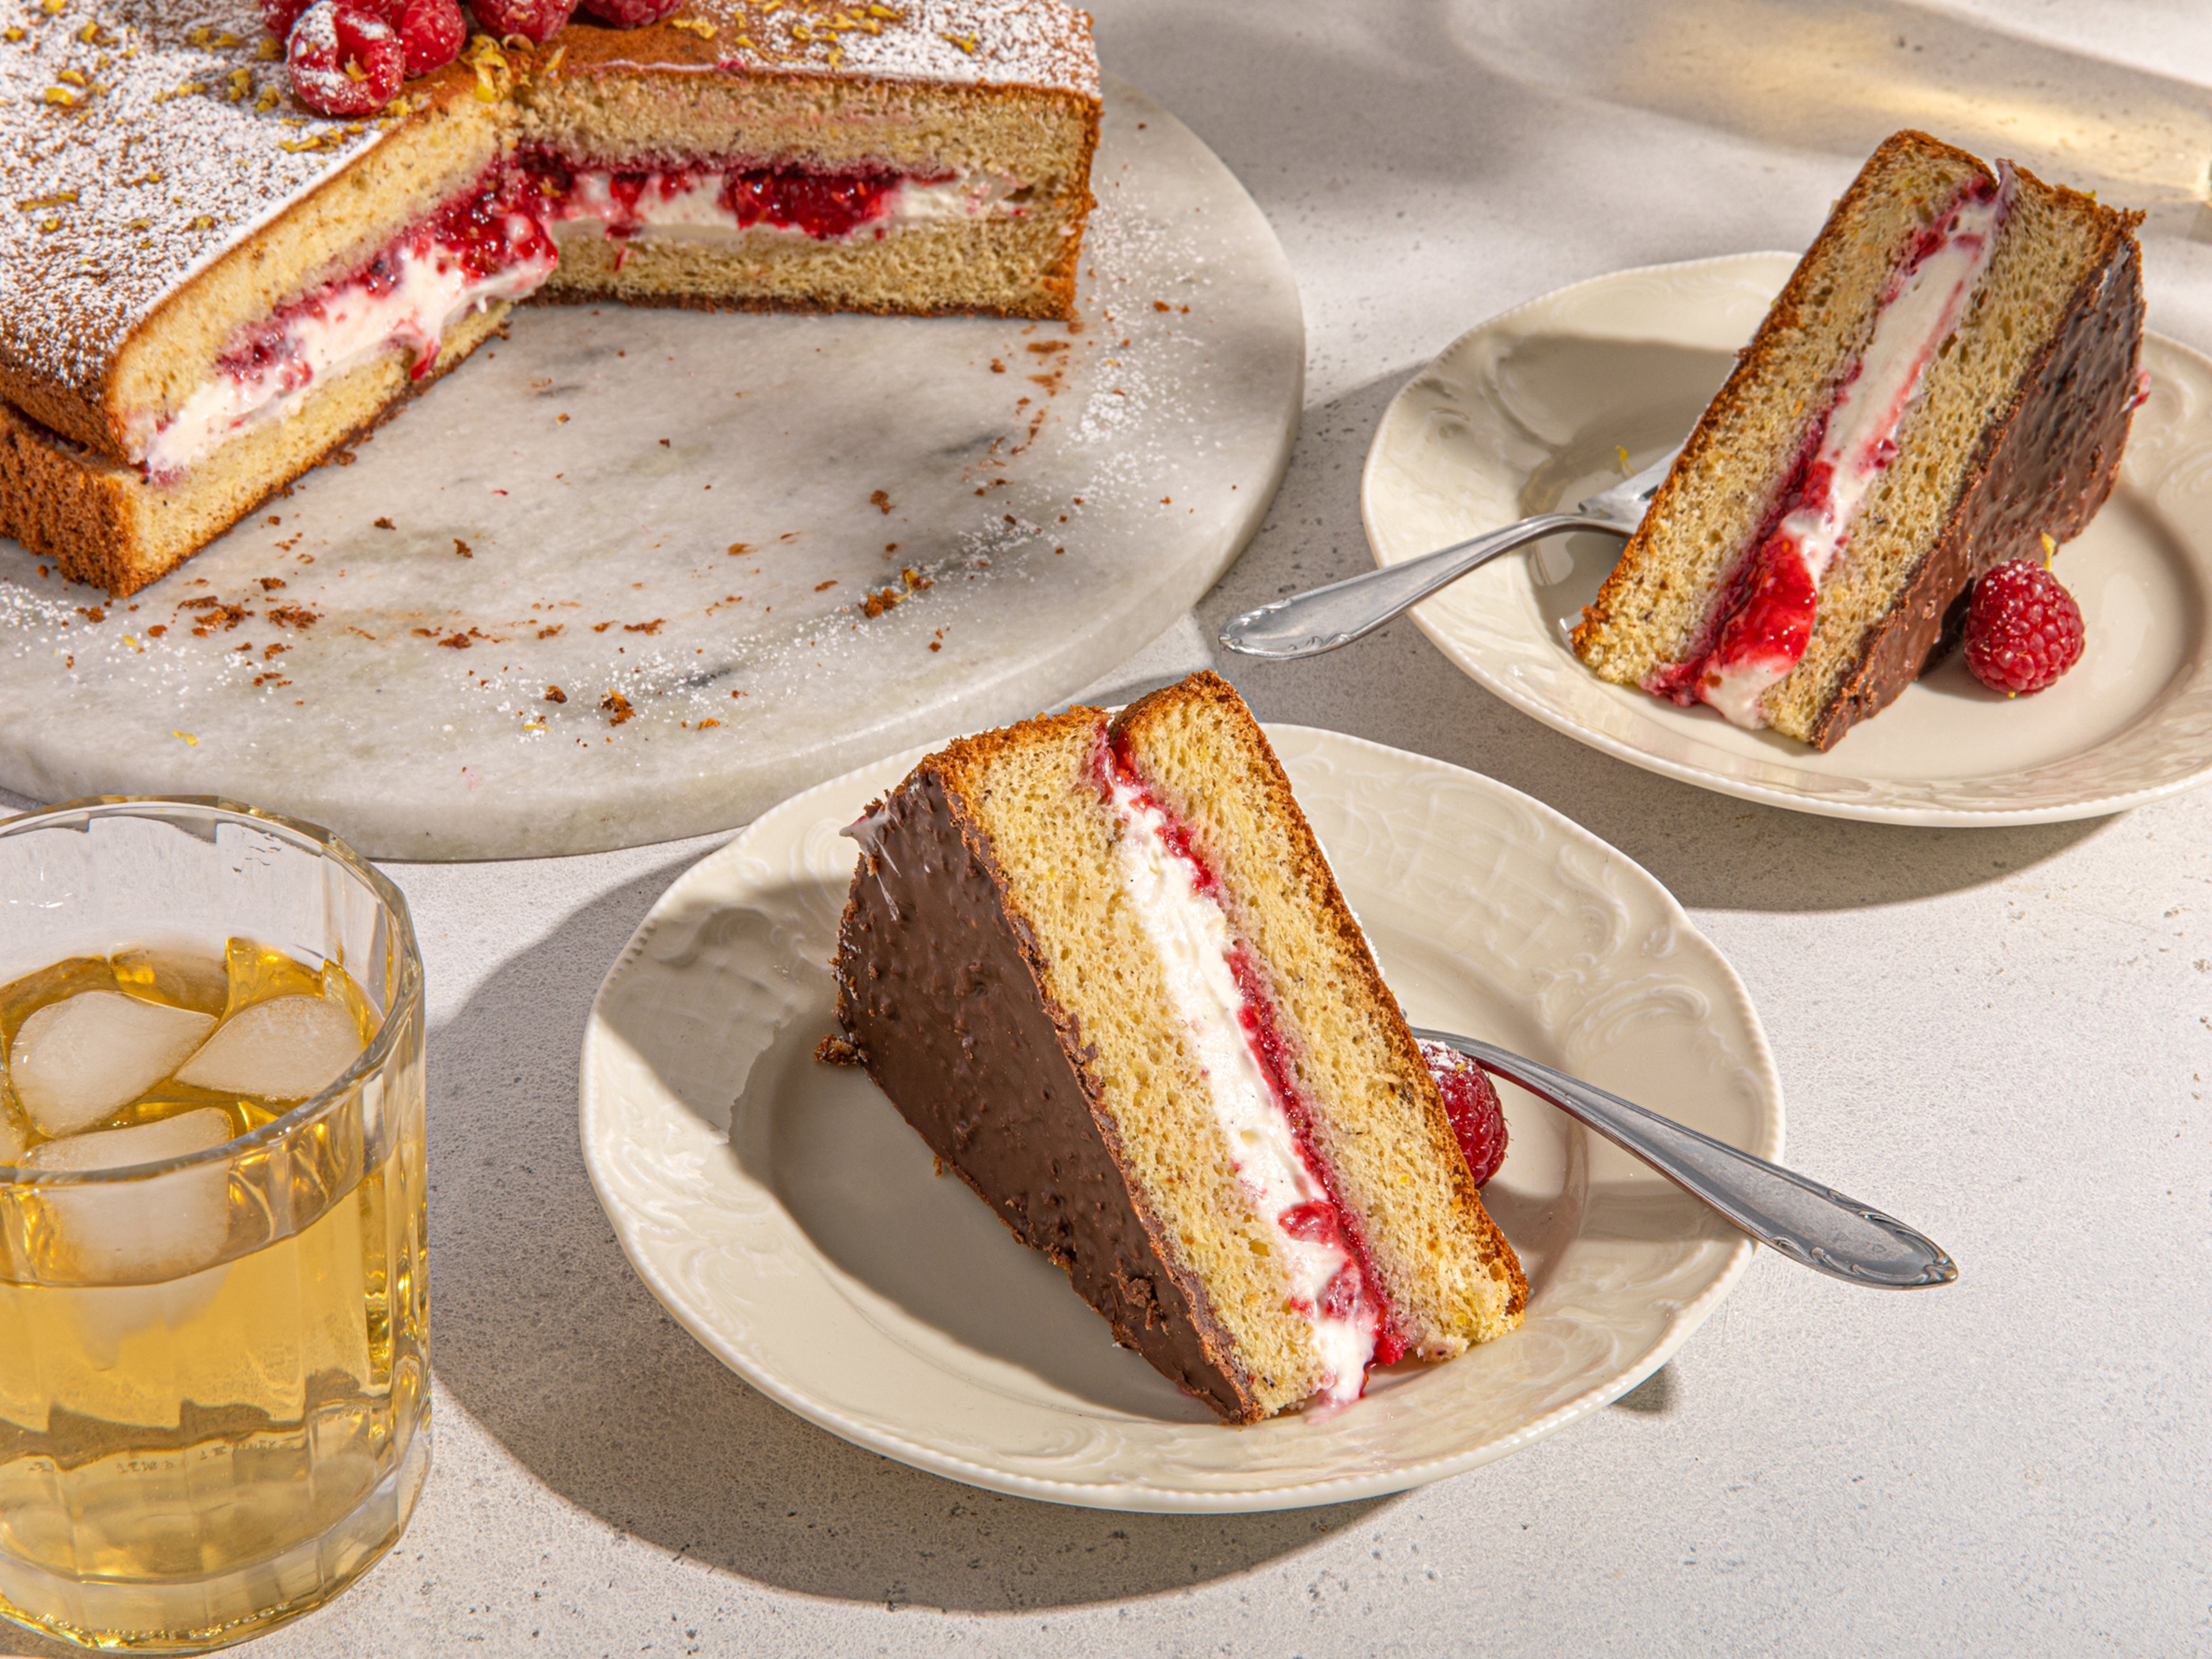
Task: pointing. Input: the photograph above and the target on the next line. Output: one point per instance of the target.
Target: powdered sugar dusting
(1040, 43)
(140, 141)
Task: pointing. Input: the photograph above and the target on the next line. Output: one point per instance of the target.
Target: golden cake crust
(106, 526)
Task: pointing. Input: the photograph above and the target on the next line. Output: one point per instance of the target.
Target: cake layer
(979, 266)
(1033, 793)
(1724, 489)
(1374, 1122)
(1217, 995)
(2045, 458)
(173, 351)
(106, 526)
(475, 252)
(1761, 624)
(2008, 398)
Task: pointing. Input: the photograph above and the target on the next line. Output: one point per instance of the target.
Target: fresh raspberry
(630, 14)
(279, 16)
(533, 20)
(344, 60)
(2023, 628)
(432, 32)
(1472, 1105)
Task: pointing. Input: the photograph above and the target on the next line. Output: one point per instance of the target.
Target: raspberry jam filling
(708, 198)
(1218, 991)
(479, 248)
(496, 241)
(1758, 630)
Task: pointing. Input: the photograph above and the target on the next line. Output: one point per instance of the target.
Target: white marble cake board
(1067, 494)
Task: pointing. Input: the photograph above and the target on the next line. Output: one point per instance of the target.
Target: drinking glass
(214, 1408)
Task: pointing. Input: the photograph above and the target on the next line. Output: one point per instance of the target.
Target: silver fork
(1813, 1225)
(1322, 618)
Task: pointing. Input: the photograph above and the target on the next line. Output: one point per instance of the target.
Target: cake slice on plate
(1105, 970)
(206, 288)
(1945, 382)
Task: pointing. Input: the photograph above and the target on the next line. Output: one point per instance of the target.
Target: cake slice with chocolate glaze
(1103, 970)
(1945, 382)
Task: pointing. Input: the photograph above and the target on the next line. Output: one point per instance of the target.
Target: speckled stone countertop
(2001, 1035)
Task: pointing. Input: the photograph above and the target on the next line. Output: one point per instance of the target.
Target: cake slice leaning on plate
(206, 289)
(1103, 970)
(1945, 382)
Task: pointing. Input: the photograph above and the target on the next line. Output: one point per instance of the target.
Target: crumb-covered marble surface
(2001, 1035)
(635, 573)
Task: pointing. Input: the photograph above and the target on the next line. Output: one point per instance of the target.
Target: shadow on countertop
(547, 1338)
(1712, 851)
(1413, 90)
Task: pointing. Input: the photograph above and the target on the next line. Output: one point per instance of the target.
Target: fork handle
(1813, 1224)
(1322, 618)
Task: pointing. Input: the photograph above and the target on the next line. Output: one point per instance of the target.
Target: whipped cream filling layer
(490, 247)
(703, 204)
(1766, 635)
(407, 300)
(1187, 930)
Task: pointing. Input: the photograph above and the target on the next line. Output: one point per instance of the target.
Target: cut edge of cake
(1012, 146)
(438, 151)
(1380, 1125)
(2024, 407)
(106, 526)
(997, 1076)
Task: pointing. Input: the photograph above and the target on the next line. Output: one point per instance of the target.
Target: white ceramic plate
(1532, 409)
(786, 1214)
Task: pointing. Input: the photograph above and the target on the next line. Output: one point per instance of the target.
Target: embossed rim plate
(1531, 408)
(785, 1215)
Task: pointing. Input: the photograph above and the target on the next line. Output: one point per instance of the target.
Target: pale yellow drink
(219, 1422)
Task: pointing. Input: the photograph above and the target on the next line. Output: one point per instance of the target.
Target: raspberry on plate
(344, 60)
(537, 20)
(1471, 1102)
(2023, 628)
(432, 32)
(630, 14)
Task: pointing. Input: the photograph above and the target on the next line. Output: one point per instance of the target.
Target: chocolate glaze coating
(940, 986)
(2046, 466)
